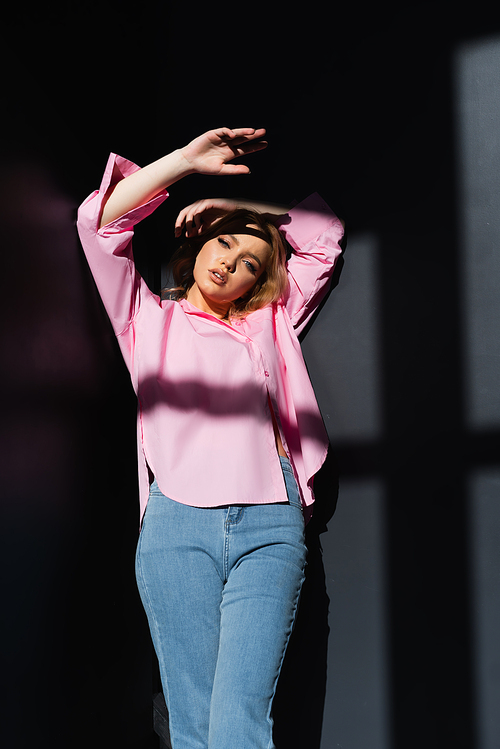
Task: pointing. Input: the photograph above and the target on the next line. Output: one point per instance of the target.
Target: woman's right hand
(207, 154)
(210, 152)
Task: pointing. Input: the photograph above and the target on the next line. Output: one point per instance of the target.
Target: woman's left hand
(202, 214)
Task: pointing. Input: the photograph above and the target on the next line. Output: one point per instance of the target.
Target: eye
(250, 267)
(223, 242)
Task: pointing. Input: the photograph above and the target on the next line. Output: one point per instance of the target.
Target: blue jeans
(220, 587)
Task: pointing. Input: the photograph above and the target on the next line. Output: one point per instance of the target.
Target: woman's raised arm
(207, 154)
(202, 214)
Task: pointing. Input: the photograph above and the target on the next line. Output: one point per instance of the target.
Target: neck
(196, 298)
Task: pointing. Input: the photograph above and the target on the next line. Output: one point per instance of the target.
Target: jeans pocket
(292, 489)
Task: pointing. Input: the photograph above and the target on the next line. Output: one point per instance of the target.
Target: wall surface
(394, 117)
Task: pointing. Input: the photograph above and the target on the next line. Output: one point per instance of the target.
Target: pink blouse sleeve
(314, 233)
(109, 249)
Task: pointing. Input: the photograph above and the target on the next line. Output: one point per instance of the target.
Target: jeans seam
(285, 647)
(151, 609)
(225, 571)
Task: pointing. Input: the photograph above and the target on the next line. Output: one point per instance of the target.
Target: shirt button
(266, 373)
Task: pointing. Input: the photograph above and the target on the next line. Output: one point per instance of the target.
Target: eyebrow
(250, 254)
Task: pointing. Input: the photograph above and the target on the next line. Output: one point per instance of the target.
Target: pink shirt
(204, 424)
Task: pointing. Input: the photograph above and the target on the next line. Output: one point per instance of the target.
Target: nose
(227, 263)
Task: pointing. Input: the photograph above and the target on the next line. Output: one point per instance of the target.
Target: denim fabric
(220, 587)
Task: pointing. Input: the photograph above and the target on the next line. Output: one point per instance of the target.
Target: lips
(218, 276)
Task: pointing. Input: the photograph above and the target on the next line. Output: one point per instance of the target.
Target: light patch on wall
(477, 107)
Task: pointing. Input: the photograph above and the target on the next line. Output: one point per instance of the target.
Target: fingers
(193, 224)
(247, 138)
(241, 147)
(240, 133)
(251, 147)
(249, 134)
(203, 213)
(179, 222)
(184, 219)
(234, 170)
(189, 225)
(208, 153)
(196, 216)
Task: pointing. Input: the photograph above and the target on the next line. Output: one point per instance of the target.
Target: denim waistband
(285, 464)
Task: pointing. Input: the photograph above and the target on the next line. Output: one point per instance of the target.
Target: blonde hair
(269, 288)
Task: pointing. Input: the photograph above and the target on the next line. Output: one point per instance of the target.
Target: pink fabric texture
(204, 426)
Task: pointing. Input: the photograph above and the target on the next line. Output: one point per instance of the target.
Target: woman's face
(226, 268)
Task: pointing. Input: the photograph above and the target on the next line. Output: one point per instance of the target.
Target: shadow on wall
(72, 621)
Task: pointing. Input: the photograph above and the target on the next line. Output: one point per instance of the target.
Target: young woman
(229, 431)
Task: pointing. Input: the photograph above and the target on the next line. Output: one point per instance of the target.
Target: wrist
(181, 165)
(185, 166)
(164, 172)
